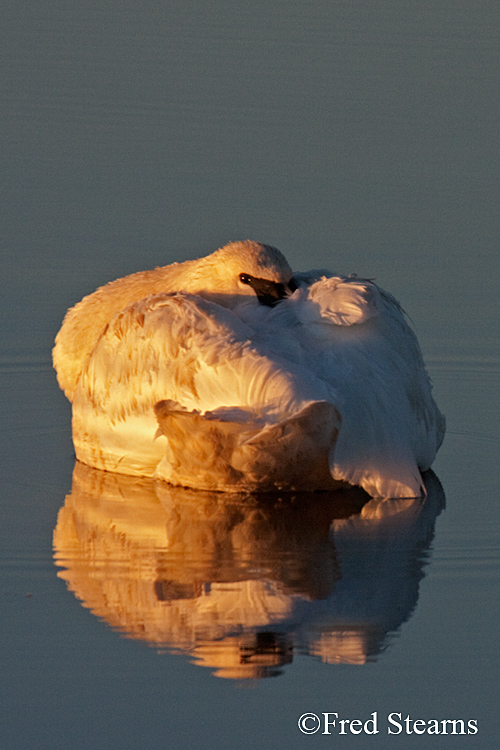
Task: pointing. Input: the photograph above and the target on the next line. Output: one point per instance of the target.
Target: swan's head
(244, 268)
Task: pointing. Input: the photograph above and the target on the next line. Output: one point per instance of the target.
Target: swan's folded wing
(182, 348)
(155, 349)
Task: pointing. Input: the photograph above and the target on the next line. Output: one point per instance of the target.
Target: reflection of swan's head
(242, 268)
(250, 656)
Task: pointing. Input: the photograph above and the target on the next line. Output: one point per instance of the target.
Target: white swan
(327, 386)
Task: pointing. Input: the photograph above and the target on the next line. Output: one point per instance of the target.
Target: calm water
(358, 136)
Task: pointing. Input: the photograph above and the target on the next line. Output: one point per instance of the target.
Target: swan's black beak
(269, 292)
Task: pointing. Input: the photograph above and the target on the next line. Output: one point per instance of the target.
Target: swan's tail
(233, 450)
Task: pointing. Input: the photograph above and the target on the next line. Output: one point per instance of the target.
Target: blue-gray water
(357, 136)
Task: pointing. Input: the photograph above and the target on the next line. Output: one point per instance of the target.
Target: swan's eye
(245, 278)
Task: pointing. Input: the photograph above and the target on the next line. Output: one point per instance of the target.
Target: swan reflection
(241, 583)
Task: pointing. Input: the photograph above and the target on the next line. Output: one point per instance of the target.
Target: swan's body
(327, 386)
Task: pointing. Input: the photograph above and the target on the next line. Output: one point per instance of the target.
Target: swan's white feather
(328, 385)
